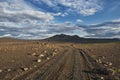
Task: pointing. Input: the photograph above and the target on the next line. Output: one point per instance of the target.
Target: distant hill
(77, 39)
(64, 38)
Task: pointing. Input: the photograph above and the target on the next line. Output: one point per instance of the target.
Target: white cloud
(23, 35)
(116, 20)
(6, 35)
(17, 13)
(25, 22)
(79, 20)
(60, 14)
(84, 7)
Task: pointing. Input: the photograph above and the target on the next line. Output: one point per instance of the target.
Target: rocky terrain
(43, 60)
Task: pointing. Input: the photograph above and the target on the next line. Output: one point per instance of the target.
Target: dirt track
(71, 63)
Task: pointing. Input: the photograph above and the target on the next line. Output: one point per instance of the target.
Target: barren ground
(36, 60)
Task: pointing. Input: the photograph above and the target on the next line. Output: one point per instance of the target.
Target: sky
(39, 19)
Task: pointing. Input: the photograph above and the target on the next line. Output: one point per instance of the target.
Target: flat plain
(42, 60)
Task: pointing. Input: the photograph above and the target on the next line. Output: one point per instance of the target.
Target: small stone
(39, 60)
(48, 58)
(34, 66)
(56, 50)
(33, 54)
(97, 61)
(110, 64)
(105, 65)
(41, 55)
(25, 69)
(45, 51)
(54, 53)
(8, 70)
(103, 57)
(30, 68)
(44, 43)
(1, 70)
(102, 78)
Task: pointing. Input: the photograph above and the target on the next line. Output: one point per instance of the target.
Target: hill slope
(77, 39)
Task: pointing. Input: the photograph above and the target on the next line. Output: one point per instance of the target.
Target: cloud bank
(84, 7)
(21, 20)
(104, 30)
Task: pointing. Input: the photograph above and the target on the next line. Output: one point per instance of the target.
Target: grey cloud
(38, 32)
(108, 29)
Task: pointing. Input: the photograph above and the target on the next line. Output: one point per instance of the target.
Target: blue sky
(38, 19)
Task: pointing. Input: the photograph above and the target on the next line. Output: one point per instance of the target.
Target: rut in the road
(94, 70)
(72, 64)
(33, 74)
(67, 66)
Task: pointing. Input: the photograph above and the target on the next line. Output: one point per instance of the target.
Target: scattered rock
(41, 55)
(103, 57)
(56, 50)
(99, 61)
(54, 53)
(45, 51)
(102, 78)
(105, 65)
(44, 43)
(33, 54)
(48, 58)
(1, 70)
(30, 68)
(25, 69)
(34, 66)
(110, 64)
(39, 60)
(8, 70)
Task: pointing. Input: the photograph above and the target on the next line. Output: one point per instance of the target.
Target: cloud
(19, 20)
(108, 29)
(13, 14)
(40, 31)
(29, 23)
(116, 20)
(84, 7)
(59, 14)
(79, 20)
(6, 35)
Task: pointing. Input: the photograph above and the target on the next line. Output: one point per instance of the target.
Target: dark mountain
(77, 39)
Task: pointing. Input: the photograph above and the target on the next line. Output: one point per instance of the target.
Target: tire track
(43, 65)
(95, 70)
(77, 73)
(72, 70)
(86, 63)
(54, 70)
(71, 64)
(65, 74)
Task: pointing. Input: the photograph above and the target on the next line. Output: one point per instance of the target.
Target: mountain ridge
(77, 39)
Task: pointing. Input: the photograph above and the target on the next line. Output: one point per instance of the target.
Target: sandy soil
(36, 60)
